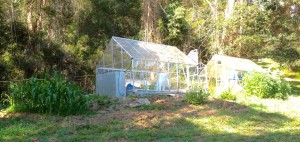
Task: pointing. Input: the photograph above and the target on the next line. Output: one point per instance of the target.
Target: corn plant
(52, 96)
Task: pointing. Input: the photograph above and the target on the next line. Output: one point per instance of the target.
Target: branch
(210, 5)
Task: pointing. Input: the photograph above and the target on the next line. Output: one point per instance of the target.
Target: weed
(228, 95)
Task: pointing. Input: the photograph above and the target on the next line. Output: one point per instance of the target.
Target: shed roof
(235, 63)
(141, 50)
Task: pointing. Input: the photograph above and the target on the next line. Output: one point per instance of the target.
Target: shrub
(295, 66)
(284, 90)
(264, 86)
(53, 96)
(196, 96)
(228, 95)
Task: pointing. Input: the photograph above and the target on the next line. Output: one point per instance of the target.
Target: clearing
(166, 119)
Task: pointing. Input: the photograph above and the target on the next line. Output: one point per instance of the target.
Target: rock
(133, 105)
(143, 101)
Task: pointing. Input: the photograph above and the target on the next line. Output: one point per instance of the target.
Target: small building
(226, 71)
(130, 66)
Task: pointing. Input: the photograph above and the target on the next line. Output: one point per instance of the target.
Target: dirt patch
(132, 118)
(33, 116)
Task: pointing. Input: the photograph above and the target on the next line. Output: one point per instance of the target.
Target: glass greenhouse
(144, 68)
(226, 72)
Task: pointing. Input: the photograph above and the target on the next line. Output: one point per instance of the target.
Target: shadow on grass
(29, 126)
(292, 76)
(264, 64)
(295, 87)
(217, 120)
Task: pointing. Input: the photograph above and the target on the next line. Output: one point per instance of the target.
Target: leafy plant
(284, 89)
(295, 66)
(54, 95)
(4, 101)
(228, 95)
(197, 96)
(264, 86)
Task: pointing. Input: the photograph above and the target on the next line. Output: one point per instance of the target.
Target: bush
(196, 96)
(228, 95)
(53, 96)
(295, 66)
(284, 90)
(264, 86)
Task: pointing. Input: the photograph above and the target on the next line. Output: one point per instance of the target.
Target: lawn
(167, 119)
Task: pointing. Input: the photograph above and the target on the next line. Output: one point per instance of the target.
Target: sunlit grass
(247, 119)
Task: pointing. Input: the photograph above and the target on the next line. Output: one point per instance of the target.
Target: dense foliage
(196, 96)
(264, 86)
(54, 95)
(69, 36)
(65, 36)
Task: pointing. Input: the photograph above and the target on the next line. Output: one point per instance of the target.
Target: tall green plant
(54, 95)
(264, 86)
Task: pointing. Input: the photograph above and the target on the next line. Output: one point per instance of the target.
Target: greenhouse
(136, 67)
(226, 72)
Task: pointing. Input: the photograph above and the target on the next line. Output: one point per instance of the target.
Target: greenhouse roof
(141, 50)
(235, 63)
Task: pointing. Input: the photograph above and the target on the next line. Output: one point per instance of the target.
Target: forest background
(40, 37)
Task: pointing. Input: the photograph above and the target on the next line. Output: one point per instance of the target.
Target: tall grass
(54, 95)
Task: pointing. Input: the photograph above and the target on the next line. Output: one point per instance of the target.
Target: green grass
(294, 80)
(248, 119)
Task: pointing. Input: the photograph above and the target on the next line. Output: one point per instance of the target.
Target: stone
(143, 101)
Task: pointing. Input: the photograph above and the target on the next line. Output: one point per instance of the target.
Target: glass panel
(182, 83)
(117, 58)
(163, 67)
(152, 51)
(139, 65)
(150, 66)
(108, 58)
(142, 49)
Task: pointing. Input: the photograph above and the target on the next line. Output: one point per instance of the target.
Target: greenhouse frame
(137, 67)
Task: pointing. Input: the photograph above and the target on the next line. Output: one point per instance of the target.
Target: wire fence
(86, 82)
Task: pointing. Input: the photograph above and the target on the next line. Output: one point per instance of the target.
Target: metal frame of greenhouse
(146, 68)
